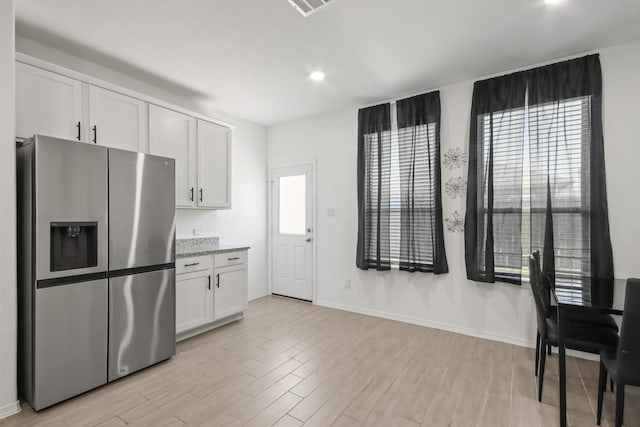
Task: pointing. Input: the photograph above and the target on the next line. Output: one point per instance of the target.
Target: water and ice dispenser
(74, 245)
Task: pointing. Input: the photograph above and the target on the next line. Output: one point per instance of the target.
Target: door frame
(313, 163)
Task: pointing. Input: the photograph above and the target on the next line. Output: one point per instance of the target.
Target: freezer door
(70, 191)
(142, 321)
(142, 210)
(70, 341)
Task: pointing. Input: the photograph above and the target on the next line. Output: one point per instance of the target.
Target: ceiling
(252, 58)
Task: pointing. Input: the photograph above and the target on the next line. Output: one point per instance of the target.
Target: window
(400, 210)
(502, 135)
(292, 208)
(401, 158)
(537, 176)
(560, 132)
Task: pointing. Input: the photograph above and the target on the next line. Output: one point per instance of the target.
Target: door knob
(308, 239)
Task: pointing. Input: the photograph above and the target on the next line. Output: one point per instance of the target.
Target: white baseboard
(258, 295)
(451, 328)
(431, 324)
(10, 409)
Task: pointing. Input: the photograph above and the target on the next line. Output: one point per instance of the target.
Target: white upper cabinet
(116, 120)
(214, 165)
(47, 103)
(172, 134)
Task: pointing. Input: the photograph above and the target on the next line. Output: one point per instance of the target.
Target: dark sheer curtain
(374, 187)
(569, 216)
(421, 229)
(493, 220)
(557, 169)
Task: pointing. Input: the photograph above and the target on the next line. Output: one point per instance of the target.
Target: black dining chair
(578, 336)
(623, 362)
(578, 315)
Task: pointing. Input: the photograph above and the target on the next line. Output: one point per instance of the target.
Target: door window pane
(292, 204)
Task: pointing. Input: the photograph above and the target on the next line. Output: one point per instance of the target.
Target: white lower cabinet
(210, 288)
(231, 291)
(194, 300)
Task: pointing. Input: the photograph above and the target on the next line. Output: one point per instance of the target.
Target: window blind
(530, 144)
(537, 177)
(401, 210)
(503, 136)
(560, 135)
(409, 167)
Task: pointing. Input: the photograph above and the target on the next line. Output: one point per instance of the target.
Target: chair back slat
(536, 288)
(545, 285)
(629, 347)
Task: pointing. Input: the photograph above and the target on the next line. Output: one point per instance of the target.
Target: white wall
(8, 305)
(621, 124)
(499, 311)
(245, 223)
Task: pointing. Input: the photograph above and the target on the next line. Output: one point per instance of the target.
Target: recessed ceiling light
(552, 1)
(317, 76)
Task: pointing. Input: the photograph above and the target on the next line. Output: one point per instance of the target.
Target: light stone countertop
(204, 246)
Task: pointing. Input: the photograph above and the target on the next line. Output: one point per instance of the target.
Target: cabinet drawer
(230, 258)
(196, 263)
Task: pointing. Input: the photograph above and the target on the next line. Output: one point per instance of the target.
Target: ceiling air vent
(307, 7)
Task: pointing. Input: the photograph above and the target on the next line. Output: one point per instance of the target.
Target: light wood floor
(290, 363)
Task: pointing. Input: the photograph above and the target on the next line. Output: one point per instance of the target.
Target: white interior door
(292, 222)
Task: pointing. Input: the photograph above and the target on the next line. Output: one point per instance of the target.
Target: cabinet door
(193, 300)
(172, 134)
(47, 103)
(115, 120)
(230, 293)
(214, 166)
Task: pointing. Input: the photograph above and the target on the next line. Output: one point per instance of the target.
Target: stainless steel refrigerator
(96, 276)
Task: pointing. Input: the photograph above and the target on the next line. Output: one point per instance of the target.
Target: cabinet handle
(95, 134)
(218, 280)
(192, 194)
(78, 126)
(191, 265)
(209, 282)
(235, 258)
(201, 194)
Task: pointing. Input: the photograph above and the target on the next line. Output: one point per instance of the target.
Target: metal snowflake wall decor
(454, 158)
(455, 224)
(455, 187)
